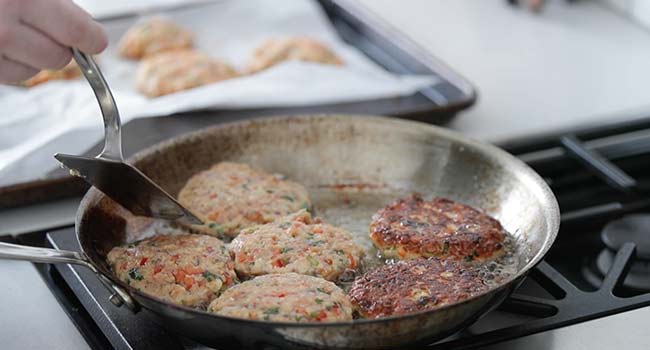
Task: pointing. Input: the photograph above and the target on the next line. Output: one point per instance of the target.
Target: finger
(68, 24)
(535, 5)
(35, 49)
(14, 72)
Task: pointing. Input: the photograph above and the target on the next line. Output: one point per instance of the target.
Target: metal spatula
(108, 172)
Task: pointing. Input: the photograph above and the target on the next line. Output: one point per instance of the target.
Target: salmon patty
(175, 71)
(153, 36)
(275, 51)
(287, 297)
(69, 72)
(229, 197)
(410, 286)
(185, 269)
(297, 243)
(411, 228)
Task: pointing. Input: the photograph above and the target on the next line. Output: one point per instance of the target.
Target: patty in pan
(412, 227)
(185, 269)
(229, 197)
(297, 243)
(288, 297)
(410, 286)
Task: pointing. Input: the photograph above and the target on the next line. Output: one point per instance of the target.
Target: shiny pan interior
(352, 166)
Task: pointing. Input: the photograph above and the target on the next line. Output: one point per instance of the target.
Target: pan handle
(42, 255)
(10, 251)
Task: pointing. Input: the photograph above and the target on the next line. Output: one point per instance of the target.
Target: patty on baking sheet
(410, 286)
(69, 72)
(274, 51)
(229, 197)
(185, 269)
(287, 297)
(154, 36)
(296, 243)
(412, 227)
(174, 71)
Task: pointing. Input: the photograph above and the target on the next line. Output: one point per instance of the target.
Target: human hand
(533, 5)
(38, 34)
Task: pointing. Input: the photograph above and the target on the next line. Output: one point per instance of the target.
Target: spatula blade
(128, 186)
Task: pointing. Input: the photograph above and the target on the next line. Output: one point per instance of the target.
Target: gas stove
(598, 268)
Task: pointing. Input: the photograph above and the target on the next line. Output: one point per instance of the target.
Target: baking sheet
(228, 30)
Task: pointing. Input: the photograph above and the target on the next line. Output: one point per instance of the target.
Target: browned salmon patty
(410, 286)
(185, 269)
(229, 197)
(411, 228)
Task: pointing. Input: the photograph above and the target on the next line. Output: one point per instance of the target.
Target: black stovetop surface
(590, 174)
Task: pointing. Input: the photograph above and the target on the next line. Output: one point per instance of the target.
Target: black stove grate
(570, 304)
(597, 176)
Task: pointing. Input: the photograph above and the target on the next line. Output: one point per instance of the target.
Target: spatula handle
(112, 125)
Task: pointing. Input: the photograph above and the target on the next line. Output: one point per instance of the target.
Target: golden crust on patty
(410, 286)
(287, 297)
(153, 36)
(412, 228)
(274, 51)
(296, 243)
(174, 71)
(70, 71)
(229, 197)
(185, 269)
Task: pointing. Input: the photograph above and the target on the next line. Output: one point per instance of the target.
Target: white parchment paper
(228, 30)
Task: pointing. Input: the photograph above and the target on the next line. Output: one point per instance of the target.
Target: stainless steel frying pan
(352, 166)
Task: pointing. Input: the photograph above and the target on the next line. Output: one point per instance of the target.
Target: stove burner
(630, 228)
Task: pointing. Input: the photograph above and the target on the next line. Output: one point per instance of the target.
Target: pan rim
(545, 195)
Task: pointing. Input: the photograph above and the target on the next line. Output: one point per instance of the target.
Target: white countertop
(573, 65)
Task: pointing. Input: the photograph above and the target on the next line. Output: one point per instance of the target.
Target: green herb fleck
(315, 243)
(312, 261)
(469, 258)
(289, 198)
(322, 290)
(135, 244)
(216, 227)
(135, 274)
(285, 249)
(269, 191)
(209, 276)
(339, 252)
(272, 311)
(285, 225)
(445, 248)
(314, 314)
(299, 318)
(318, 300)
